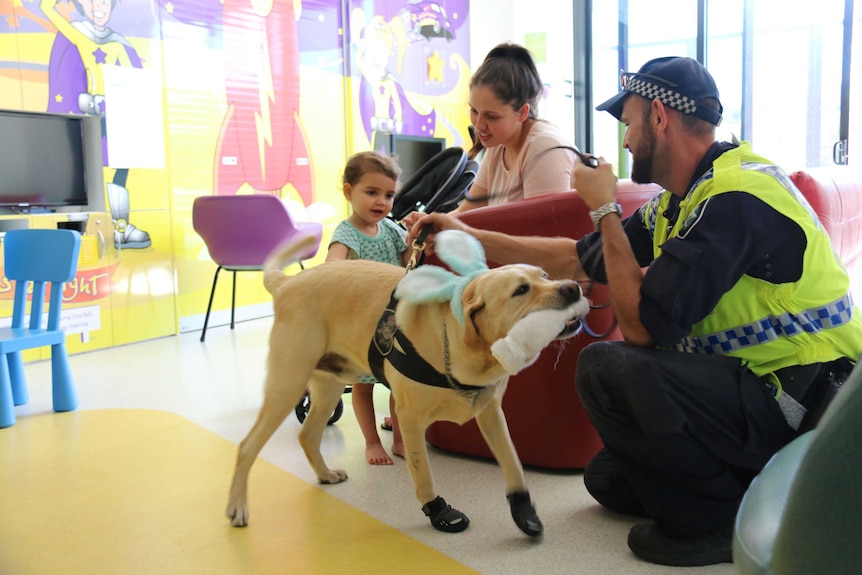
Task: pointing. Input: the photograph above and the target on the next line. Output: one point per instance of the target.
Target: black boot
(656, 545)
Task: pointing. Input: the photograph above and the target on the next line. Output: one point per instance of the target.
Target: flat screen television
(49, 161)
(411, 152)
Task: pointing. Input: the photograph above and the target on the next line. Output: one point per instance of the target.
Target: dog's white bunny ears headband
(463, 254)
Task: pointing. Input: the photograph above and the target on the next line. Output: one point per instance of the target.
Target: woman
(523, 155)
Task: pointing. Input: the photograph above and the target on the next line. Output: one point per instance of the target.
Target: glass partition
(778, 70)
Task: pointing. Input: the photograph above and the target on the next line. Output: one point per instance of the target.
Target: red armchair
(835, 194)
(546, 420)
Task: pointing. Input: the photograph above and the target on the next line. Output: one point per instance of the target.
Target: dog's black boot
(444, 518)
(524, 513)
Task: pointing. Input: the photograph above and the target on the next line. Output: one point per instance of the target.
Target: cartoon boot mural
(126, 235)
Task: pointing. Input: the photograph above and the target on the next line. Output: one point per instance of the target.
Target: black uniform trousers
(684, 433)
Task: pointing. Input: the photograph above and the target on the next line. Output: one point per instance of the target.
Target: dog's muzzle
(571, 293)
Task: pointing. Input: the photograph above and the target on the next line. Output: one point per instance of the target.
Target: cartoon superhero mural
(381, 44)
(377, 42)
(80, 50)
(261, 143)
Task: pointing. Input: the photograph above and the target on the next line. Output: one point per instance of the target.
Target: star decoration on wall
(435, 67)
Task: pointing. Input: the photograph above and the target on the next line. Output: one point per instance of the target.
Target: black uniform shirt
(737, 234)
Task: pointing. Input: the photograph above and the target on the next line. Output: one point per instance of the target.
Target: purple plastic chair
(36, 259)
(241, 231)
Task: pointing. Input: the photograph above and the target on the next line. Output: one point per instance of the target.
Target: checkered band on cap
(771, 328)
(668, 96)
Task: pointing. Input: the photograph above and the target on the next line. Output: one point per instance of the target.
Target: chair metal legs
(212, 296)
(210, 304)
(233, 299)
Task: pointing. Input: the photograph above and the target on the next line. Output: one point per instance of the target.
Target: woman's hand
(415, 222)
(410, 219)
(437, 221)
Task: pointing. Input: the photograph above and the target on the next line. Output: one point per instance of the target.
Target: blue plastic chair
(37, 258)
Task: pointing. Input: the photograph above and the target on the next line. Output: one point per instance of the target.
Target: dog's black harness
(406, 360)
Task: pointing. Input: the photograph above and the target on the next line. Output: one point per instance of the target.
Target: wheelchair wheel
(301, 409)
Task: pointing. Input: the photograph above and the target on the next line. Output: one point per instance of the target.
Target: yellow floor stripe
(137, 491)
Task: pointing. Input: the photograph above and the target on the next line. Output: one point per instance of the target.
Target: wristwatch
(602, 211)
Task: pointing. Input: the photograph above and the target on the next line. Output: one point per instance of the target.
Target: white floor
(218, 384)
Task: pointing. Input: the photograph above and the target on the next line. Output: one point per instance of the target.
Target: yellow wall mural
(202, 97)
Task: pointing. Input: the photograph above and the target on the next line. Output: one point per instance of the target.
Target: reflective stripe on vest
(771, 328)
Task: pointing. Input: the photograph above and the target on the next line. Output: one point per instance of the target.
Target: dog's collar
(407, 360)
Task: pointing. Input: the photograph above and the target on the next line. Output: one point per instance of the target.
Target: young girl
(369, 183)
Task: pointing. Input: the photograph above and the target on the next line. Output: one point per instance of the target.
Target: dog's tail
(284, 255)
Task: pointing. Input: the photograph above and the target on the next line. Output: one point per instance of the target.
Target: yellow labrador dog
(446, 345)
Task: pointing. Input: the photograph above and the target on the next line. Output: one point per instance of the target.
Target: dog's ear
(473, 305)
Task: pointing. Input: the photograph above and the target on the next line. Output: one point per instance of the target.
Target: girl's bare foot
(376, 455)
(398, 449)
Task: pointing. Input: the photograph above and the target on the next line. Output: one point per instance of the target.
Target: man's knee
(613, 361)
(601, 471)
(589, 360)
(605, 481)
(595, 363)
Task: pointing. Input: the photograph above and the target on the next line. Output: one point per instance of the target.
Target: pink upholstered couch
(547, 422)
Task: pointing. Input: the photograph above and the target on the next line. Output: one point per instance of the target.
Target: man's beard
(643, 159)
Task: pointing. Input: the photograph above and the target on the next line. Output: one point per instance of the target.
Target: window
(855, 119)
(778, 70)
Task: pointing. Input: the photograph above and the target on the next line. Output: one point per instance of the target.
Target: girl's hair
(510, 72)
(363, 163)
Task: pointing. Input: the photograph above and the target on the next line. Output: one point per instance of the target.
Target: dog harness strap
(408, 362)
(414, 366)
(375, 360)
(381, 343)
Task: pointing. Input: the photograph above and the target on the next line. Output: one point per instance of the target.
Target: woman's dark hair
(510, 72)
